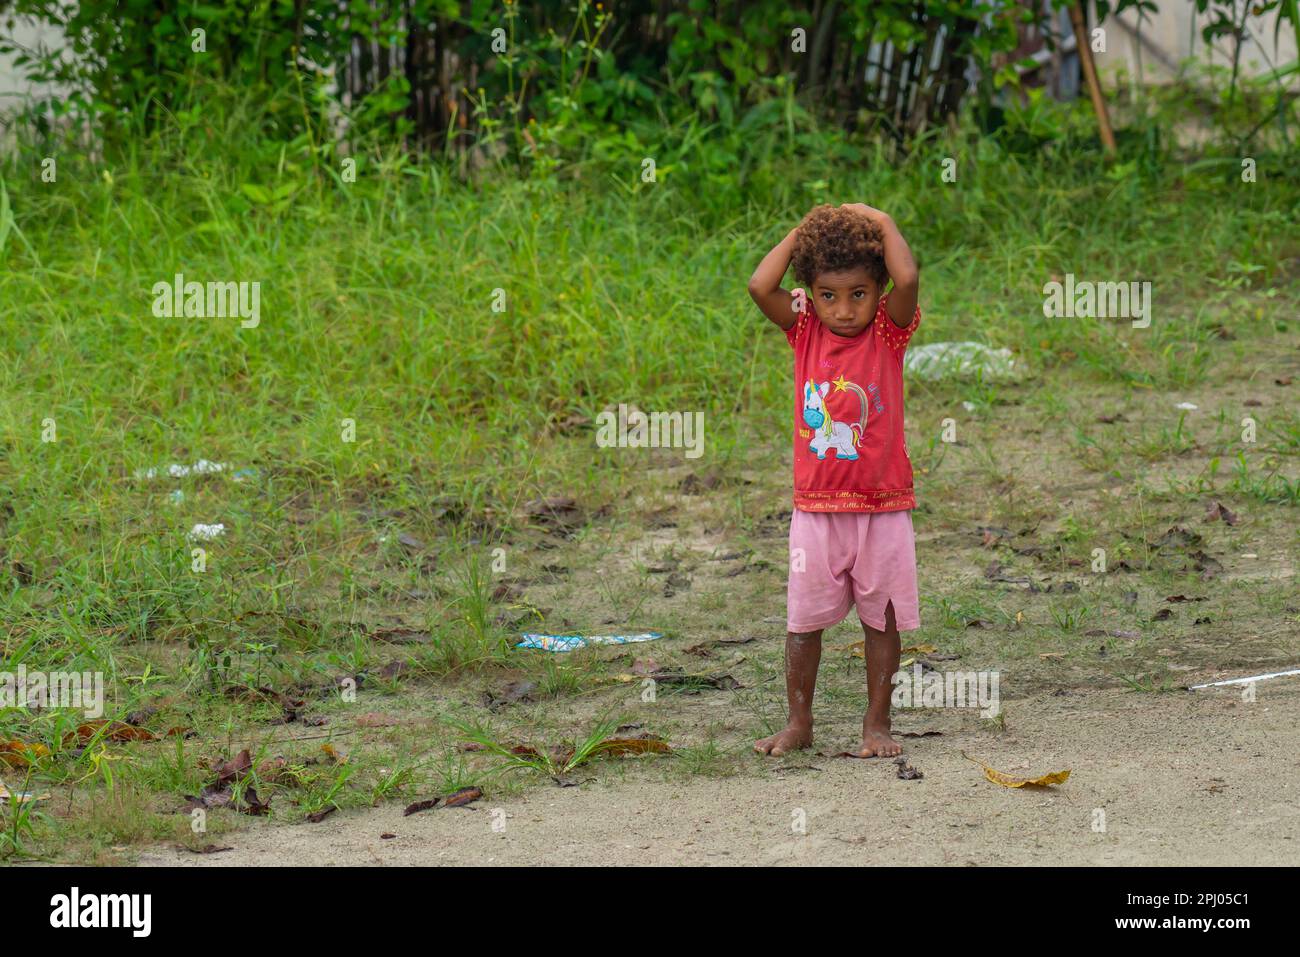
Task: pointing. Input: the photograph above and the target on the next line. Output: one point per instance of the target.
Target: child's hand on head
(870, 212)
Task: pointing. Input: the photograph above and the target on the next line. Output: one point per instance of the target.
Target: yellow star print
(841, 383)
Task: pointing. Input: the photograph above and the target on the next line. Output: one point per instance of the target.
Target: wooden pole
(1090, 77)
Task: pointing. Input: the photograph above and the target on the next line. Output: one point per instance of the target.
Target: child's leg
(882, 652)
(803, 653)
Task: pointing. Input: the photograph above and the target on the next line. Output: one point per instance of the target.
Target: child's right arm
(765, 285)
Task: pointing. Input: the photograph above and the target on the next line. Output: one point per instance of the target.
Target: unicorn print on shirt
(843, 437)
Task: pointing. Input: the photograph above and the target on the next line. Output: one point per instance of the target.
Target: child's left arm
(899, 264)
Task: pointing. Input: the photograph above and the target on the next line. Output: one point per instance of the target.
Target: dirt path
(1183, 778)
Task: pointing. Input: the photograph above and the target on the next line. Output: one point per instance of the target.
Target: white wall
(1174, 35)
(13, 85)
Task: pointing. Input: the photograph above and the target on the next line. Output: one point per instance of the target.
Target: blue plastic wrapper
(570, 642)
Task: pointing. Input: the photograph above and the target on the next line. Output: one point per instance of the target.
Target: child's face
(846, 300)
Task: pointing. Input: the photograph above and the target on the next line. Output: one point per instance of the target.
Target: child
(851, 538)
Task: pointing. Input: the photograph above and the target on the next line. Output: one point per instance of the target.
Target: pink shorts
(839, 559)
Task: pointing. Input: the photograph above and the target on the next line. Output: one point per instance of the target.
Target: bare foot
(876, 743)
(791, 739)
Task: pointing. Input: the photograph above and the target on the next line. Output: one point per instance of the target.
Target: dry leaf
(1217, 510)
(1007, 781)
(19, 754)
(113, 731)
(237, 767)
(253, 804)
(462, 797)
(276, 771)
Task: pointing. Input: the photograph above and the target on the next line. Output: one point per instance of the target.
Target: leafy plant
(555, 761)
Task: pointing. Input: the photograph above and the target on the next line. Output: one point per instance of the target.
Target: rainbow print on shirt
(828, 435)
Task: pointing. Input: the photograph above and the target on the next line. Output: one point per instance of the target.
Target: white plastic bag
(951, 360)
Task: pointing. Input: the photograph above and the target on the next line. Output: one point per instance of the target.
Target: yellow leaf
(919, 650)
(19, 754)
(1007, 781)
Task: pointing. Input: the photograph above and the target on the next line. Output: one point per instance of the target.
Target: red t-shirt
(850, 454)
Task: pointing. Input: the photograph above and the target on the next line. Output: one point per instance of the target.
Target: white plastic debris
(1186, 405)
(942, 360)
(570, 642)
(1250, 680)
(177, 470)
(21, 797)
(205, 533)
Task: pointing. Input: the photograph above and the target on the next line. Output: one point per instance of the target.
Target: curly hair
(832, 238)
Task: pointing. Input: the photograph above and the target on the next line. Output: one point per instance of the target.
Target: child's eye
(859, 294)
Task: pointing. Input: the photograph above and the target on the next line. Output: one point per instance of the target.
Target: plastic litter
(560, 643)
(176, 497)
(942, 360)
(177, 470)
(1246, 681)
(205, 533)
(21, 797)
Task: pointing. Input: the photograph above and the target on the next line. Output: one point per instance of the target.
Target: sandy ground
(1182, 778)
